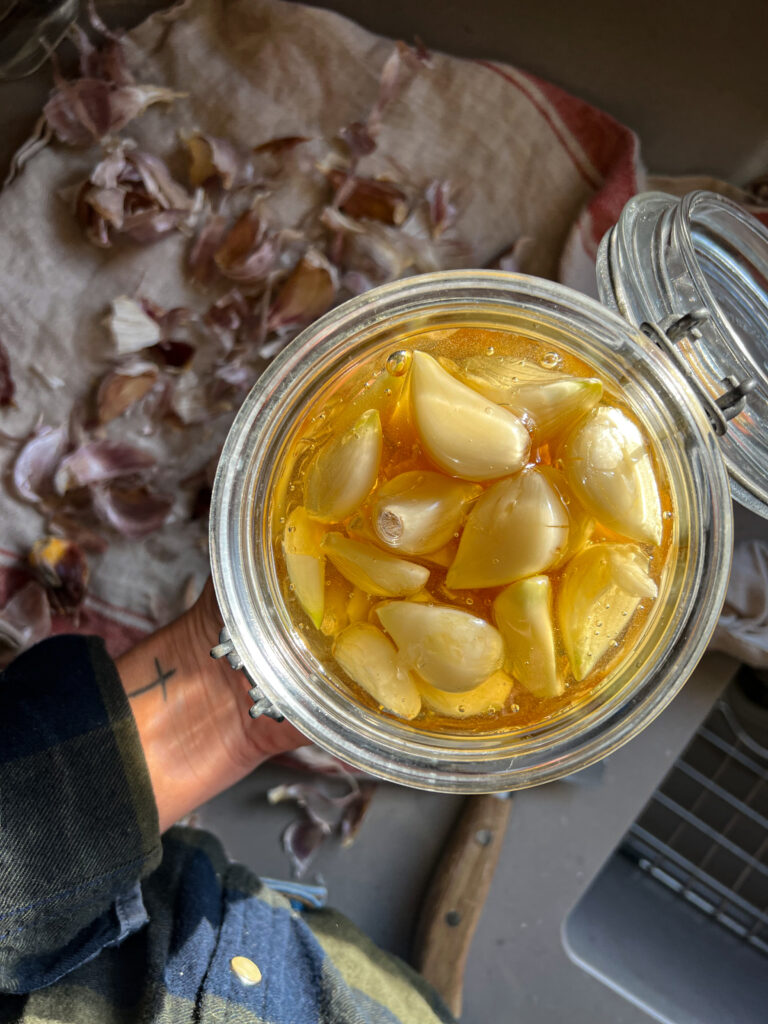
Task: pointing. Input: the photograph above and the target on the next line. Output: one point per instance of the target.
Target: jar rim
(259, 634)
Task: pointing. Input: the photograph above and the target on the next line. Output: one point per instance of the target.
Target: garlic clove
(373, 570)
(490, 696)
(358, 605)
(550, 407)
(305, 562)
(335, 611)
(419, 512)
(449, 648)
(608, 466)
(599, 593)
(523, 615)
(499, 377)
(370, 659)
(463, 433)
(581, 525)
(344, 471)
(517, 528)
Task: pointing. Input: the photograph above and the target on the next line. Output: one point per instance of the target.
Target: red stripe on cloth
(603, 145)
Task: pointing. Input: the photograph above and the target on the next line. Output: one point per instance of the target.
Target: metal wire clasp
(262, 705)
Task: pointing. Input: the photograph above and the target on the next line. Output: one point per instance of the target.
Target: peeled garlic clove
(305, 562)
(517, 528)
(373, 570)
(523, 614)
(581, 525)
(463, 433)
(608, 466)
(370, 659)
(449, 648)
(335, 614)
(599, 592)
(552, 406)
(419, 512)
(488, 697)
(499, 377)
(344, 471)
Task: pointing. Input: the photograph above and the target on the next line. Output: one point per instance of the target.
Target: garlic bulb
(609, 469)
(463, 433)
(373, 570)
(517, 528)
(305, 562)
(343, 473)
(486, 698)
(449, 648)
(599, 592)
(523, 614)
(370, 659)
(419, 512)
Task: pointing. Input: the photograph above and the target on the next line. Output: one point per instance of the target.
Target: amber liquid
(370, 385)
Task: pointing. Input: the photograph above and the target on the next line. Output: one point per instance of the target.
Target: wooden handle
(457, 893)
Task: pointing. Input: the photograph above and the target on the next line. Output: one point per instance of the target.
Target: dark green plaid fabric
(101, 923)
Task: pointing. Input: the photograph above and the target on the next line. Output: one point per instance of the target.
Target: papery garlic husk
(463, 433)
(599, 593)
(373, 570)
(550, 407)
(581, 525)
(418, 512)
(335, 614)
(608, 466)
(523, 615)
(517, 528)
(344, 471)
(305, 562)
(370, 659)
(448, 647)
(490, 696)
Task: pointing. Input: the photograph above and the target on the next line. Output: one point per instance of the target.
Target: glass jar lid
(693, 275)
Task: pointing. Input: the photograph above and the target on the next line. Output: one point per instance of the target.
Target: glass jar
(679, 406)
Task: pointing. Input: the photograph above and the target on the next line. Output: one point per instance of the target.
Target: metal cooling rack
(704, 832)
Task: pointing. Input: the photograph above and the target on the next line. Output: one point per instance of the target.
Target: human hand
(192, 713)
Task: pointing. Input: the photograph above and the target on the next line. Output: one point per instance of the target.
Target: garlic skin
(517, 528)
(449, 648)
(370, 659)
(608, 467)
(305, 562)
(523, 615)
(491, 695)
(373, 570)
(463, 433)
(599, 593)
(419, 512)
(344, 471)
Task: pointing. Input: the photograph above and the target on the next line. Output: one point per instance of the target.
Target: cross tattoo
(162, 679)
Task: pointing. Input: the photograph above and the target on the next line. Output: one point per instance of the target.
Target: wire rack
(704, 832)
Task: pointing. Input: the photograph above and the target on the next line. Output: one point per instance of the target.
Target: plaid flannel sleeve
(78, 822)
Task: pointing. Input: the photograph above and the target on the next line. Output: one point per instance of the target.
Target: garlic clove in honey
(581, 525)
(335, 611)
(370, 659)
(464, 433)
(490, 696)
(523, 614)
(358, 605)
(499, 377)
(305, 562)
(517, 528)
(551, 406)
(449, 648)
(608, 466)
(373, 570)
(343, 473)
(419, 512)
(599, 593)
